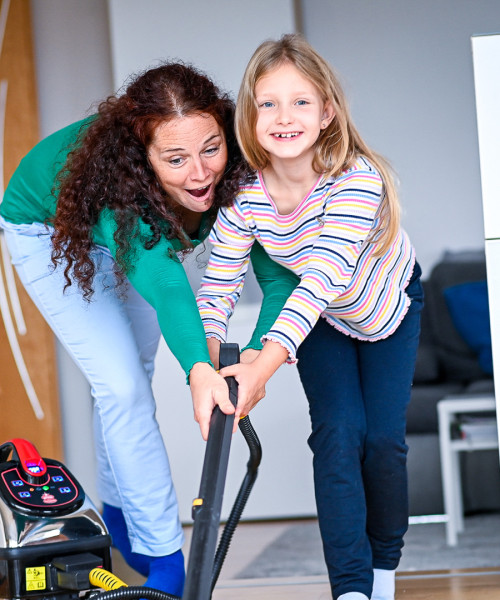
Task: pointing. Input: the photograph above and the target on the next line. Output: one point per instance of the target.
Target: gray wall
(72, 58)
(217, 36)
(407, 69)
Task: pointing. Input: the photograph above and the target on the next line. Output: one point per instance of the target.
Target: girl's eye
(302, 102)
(267, 104)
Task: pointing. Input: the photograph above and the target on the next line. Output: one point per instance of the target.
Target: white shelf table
(448, 409)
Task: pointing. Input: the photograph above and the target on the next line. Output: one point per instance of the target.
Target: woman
(140, 187)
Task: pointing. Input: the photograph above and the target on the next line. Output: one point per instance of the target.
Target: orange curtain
(29, 405)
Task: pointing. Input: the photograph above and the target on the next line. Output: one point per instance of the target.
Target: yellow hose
(105, 580)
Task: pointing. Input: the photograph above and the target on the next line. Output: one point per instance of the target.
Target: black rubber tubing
(136, 592)
(253, 442)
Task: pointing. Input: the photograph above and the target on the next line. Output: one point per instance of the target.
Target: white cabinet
(486, 58)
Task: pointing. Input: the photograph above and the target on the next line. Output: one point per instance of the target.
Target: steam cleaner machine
(54, 544)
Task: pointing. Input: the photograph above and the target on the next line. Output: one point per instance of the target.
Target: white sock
(384, 584)
(353, 596)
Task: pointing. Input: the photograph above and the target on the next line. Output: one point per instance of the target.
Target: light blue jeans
(113, 339)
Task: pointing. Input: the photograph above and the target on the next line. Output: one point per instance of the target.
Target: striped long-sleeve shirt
(325, 242)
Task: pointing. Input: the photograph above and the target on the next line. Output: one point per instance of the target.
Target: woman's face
(189, 155)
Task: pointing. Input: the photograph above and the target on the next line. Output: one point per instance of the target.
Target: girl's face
(291, 114)
(189, 155)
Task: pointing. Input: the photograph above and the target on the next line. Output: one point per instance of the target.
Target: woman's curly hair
(108, 167)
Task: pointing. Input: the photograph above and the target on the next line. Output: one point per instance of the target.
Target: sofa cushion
(485, 387)
(457, 361)
(427, 365)
(421, 416)
(468, 306)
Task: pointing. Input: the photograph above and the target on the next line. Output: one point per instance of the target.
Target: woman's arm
(159, 277)
(208, 390)
(277, 283)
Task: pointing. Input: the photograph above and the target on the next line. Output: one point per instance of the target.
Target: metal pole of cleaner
(207, 507)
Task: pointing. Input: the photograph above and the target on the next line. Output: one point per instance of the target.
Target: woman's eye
(212, 150)
(175, 162)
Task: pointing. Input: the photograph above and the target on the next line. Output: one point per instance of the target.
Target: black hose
(253, 442)
(135, 592)
(140, 592)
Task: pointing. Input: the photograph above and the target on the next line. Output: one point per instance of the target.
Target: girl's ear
(328, 115)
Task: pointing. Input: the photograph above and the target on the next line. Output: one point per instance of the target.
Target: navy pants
(358, 393)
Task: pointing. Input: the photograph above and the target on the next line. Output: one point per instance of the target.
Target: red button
(48, 498)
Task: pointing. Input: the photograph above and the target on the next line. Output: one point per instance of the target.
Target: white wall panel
(486, 56)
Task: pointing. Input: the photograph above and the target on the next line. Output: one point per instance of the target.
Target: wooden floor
(459, 585)
(252, 538)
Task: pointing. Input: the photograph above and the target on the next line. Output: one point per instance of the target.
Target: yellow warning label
(35, 579)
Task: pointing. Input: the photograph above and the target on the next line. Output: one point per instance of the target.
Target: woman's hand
(253, 376)
(208, 389)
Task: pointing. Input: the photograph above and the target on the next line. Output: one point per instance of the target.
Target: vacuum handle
(32, 465)
(229, 354)
(207, 507)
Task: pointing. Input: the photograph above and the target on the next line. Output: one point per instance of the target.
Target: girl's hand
(249, 355)
(208, 389)
(251, 386)
(213, 350)
(253, 376)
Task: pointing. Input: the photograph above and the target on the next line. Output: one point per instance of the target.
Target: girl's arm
(349, 217)
(224, 277)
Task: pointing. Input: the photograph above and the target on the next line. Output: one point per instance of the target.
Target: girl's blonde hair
(338, 146)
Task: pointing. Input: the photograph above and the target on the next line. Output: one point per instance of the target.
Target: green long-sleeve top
(157, 274)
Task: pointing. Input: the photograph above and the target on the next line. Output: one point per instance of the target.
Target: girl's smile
(287, 136)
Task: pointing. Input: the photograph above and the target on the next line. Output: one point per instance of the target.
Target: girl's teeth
(286, 135)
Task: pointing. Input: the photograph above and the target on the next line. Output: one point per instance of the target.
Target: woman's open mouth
(200, 192)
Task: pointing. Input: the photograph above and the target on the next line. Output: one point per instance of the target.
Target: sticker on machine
(35, 579)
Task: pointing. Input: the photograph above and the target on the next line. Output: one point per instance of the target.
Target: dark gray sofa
(447, 365)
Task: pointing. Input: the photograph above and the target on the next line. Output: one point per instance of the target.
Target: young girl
(324, 205)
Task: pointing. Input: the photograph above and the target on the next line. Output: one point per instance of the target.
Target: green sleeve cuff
(277, 284)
